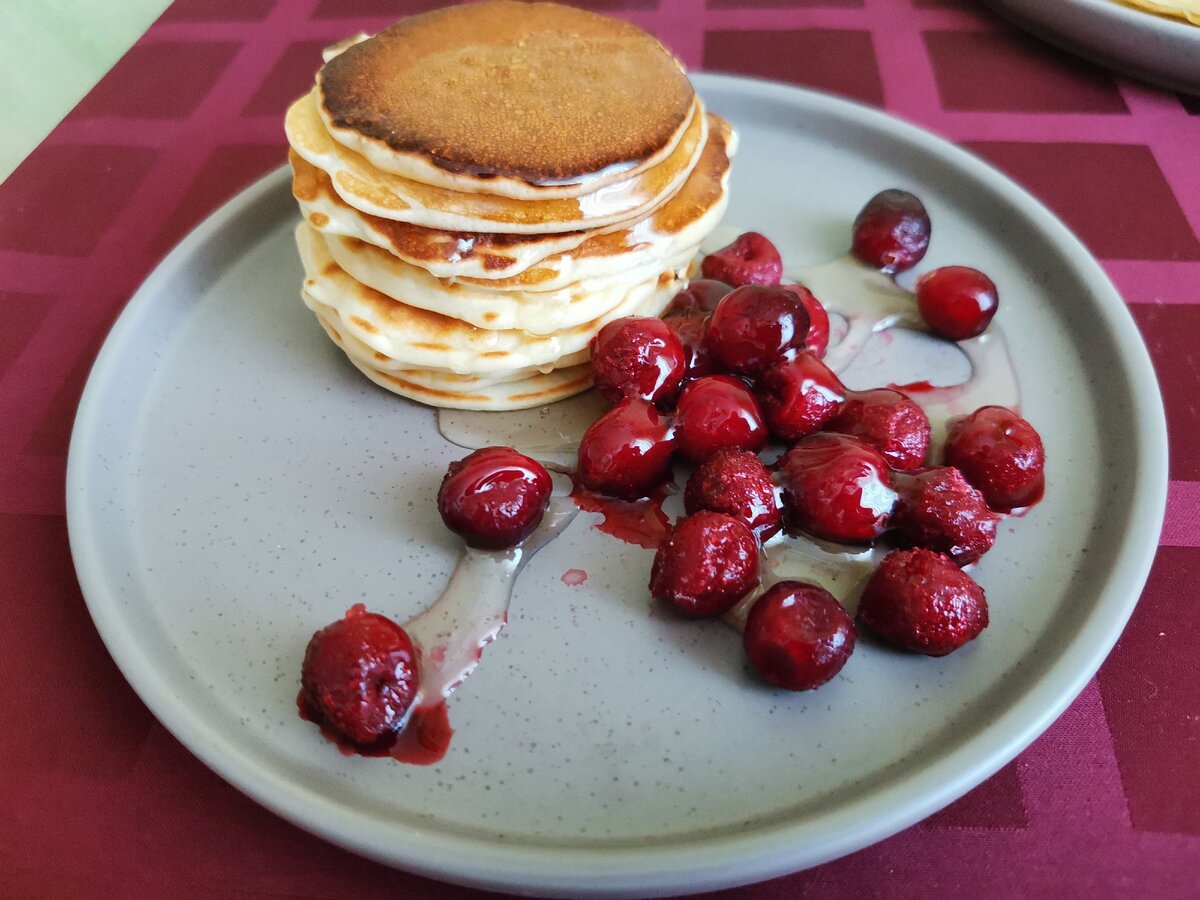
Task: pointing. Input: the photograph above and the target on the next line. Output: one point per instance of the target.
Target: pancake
(535, 262)
(416, 338)
(388, 196)
(538, 312)
(508, 98)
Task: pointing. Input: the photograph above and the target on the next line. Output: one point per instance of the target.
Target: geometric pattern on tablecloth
(1105, 801)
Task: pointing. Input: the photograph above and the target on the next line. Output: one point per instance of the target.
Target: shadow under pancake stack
(485, 186)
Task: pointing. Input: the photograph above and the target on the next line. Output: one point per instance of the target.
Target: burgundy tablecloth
(100, 801)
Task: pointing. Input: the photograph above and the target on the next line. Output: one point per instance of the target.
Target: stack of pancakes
(485, 186)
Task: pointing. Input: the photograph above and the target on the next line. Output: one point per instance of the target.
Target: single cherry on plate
(717, 413)
(736, 482)
(1001, 454)
(922, 601)
(837, 488)
(706, 564)
(891, 233)
(889, 421)
(637, 356)
(495, 497)
(360, 676)
(957, 302)
(627, 452)
(799, 397)
(939, 510)
(755, 328)
(751, 259)
(798, 636)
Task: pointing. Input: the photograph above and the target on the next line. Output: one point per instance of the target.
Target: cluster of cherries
(734, 362)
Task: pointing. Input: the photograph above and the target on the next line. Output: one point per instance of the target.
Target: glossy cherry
(817, 341)
(798, 636)
(751, 259)
(1001, 454)
(360, 675)
(494, 497)
(755, 328)
(717, 413)
(890, 422)
(922, 601)
(939, 510)
(891, 233)
(799, 397)
(957, 302)
(637, 356)
(706, 564)
(736, 482)
(627, 452)
(699, 298)
(837, 488)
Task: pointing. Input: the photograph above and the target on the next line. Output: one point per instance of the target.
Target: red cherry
(1001, 454)
(922, 601)
(636, 356)
(837, 488)
(706, 564)
(494, 497)
(890, 422)
(798, 397)
(755, 328)
(360, 675)
(892, 231)
(798, 636)
(957, 302)
(691, 329)
(737, 483)
(817, 341)
(751, 259)
(940, 511)
(627, 452)
(699, 298)
(717, 413)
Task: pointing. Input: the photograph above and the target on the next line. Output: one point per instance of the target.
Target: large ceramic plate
(1159, 49)
(234, 485)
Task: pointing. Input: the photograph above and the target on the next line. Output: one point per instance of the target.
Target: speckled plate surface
(234, 485)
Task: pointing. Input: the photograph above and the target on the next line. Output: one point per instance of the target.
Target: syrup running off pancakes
(875, 327)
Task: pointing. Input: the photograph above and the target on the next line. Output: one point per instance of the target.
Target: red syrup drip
(574, 577)
(639, 522)
(422, 742)
(914, 387)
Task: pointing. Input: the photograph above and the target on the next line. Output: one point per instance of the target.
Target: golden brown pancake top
(536, 91)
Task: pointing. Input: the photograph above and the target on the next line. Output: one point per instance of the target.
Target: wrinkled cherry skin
(751, 259)
(892, 232)
(494, 497)
(921, 601)
(699, 298)
(360, 675)
(799, 397)
(717, 413)
(755, 328)
(957, 302)
(736, 482)
(798, 636)
(817, 341)
(1001, 454)
(940, 511)
(627, 452)
(706, 564)
(637, 356)
(890, 422)
(837, 488)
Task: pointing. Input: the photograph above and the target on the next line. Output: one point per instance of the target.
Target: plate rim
(713, 862)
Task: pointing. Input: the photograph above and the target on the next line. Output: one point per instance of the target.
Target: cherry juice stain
(423, 741)
(574, 577)
(639, 522)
